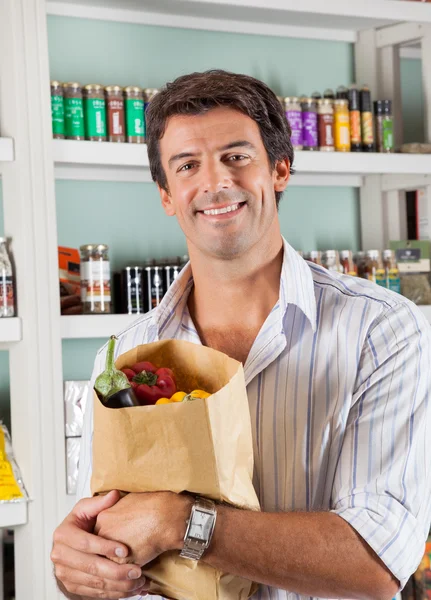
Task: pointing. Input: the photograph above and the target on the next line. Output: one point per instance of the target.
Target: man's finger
(87, 509)
(82, 541)
(96, 566)
(86, 592)
(72, 576)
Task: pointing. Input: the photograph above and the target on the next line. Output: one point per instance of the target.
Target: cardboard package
(203, 447)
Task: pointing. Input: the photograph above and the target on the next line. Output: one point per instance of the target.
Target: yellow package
(9, 487)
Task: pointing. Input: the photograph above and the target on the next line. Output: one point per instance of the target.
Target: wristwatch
(200, 528)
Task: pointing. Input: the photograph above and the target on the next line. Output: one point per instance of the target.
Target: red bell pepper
(150, 383)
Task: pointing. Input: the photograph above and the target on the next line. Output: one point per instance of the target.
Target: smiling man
(337, 371)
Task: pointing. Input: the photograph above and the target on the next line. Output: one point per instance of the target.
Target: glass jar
(149, 94)
(135, 120)
(360, 262)
(331, 260)
(315, 256)
(309, 124)
(342, 125)
(7, 284)
(392, 272)
(95, 113)
(293, 112)
(347, 263)
(325, 117)
(374, 268)
(115, 110)
(95, 279)
(73, 111)
(384, 126)
(57, 110)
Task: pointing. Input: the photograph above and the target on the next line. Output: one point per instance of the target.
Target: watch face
(201, 525)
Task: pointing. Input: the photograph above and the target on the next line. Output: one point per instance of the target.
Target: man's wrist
(182, 508)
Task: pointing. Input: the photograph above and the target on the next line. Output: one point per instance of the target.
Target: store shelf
(94, 326)
(426, 311)
(12, 514)
(6, 149)
(10, 330)
(106, 161)
(332, 19)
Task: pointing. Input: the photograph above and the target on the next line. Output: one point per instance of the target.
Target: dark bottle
(112, 386)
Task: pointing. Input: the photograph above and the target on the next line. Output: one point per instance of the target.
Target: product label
(95, 117)
(342, 131)
(73, 117)
(7, 300)
(367, 128)
(95, 281)
(355, 127)
(326, 130)
(388, 134)
(135, 121)
(295, 121)
(394, 282)
(309, 129)
(57, 113)
(381, 277)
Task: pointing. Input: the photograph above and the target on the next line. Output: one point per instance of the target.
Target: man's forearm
(314, 554)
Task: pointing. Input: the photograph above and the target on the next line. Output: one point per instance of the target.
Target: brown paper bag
(203, 447)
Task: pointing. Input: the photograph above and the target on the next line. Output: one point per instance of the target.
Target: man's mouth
(231, 208)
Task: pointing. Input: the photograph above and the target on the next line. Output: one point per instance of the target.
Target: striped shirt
(338, 381)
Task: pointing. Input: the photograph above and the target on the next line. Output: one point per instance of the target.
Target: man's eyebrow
(238, 144)
(180, 156)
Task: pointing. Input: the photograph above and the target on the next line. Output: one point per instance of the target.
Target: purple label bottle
(310, 138)
(295, 121)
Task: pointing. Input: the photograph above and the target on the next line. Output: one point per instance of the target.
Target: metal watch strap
(194, 548)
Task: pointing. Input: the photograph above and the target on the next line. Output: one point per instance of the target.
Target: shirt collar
(296, 287)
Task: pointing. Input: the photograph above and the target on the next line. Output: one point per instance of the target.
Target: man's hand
(79, 559)
(148, 523)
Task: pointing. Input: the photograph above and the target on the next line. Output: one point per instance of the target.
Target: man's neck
(234, 298)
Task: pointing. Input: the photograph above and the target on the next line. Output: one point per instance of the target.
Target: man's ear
(167, 203)
(281, 175)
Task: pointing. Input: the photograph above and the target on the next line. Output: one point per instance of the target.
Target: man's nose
(216, 178)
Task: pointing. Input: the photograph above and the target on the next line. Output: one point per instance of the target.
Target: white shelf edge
(13, 514)
(105, 161)
(10, 330)
(94, 326)
(312, 19)
(426, 311)
(6, 149)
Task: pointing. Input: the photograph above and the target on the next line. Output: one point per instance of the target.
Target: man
(337, 372)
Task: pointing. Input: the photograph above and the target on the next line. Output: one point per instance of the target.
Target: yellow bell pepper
(164, 401)
(196, 394)
(178, 397)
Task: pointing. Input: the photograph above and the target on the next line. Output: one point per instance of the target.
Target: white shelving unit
(13, 514)
(6, 150)
(94, 326)
(10, 330)
(378, 28)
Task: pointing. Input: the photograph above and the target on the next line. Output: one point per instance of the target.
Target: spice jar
(360, 260)
(293, 111)
(149, 94)
(374, 268)
(7, 284)
(393, 280)
(309, 124)
(347, 263)
(95, 279)
(325, 116)
(342, 125)
(331, 260)
(315, 256)
(115, 110)
(73, 111)
(135, 121)
(57, 110)
(384, 126)
(94, 112)
(355, 120)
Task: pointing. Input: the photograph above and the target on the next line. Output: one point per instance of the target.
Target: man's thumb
(88, 509)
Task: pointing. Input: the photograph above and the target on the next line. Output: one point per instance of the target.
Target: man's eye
(237, 157)
(186, 167)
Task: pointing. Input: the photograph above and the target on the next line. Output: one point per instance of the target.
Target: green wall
(413, 100)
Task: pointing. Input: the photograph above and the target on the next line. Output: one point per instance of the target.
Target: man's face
(221, 187)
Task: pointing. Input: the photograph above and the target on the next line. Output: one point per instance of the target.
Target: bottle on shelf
(7, 296)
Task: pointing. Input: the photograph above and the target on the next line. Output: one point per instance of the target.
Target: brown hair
(198, 93)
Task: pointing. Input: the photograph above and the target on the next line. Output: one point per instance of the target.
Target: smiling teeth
(221, 211)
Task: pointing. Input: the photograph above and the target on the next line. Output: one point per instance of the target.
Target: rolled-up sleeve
(382, 486)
